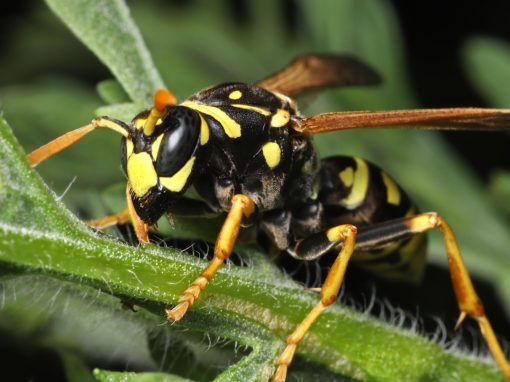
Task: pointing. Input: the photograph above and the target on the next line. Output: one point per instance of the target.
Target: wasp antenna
(162, 99)
(66, 140)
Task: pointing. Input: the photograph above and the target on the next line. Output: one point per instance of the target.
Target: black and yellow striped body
(237, 139)
(357, 192)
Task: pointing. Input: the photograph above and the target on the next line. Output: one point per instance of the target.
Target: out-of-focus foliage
(194, 46)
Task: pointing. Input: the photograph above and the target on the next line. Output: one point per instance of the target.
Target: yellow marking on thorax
(141, 173)
(155, 146)
(392, 191)
(359, 185)
(204, 131)
(236, 94)
(177, 181)
(272, 154)
(280, 118)
(254, 108)
(231, 127)
(347, 176)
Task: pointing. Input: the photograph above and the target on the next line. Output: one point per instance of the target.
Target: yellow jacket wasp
(248, 153)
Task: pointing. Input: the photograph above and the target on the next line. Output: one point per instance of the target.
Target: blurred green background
(431, 55)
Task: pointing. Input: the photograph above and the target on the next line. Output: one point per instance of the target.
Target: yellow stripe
(129, 147)
(254, 108)
(392, 191)
(155, 146)
(347, 176)
(141, 173)
(204, 131)
(177, 181)
(231, 127)
(280, 118)
(359, 185)
(272, 154)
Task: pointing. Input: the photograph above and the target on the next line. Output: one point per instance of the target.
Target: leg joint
(247, 205)
(341, 232)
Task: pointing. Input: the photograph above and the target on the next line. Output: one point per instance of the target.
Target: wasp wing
(319, 71)
(436, 119)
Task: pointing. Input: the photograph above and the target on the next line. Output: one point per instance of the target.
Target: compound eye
(180, 140)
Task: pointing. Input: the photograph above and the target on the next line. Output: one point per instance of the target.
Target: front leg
(241, 205)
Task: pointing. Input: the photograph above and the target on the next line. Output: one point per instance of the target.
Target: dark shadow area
(21, 363)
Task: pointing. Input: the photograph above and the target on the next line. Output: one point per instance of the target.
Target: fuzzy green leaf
(487, 63)
(107, 28)
(111, 92)
(113, 376)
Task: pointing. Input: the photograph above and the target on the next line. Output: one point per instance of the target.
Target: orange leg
(110, 220)
(129, 213)
(329, 292)
(467, 299)
(241, 205)
(141, 228)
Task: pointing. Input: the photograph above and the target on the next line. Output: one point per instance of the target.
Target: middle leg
(322, 242)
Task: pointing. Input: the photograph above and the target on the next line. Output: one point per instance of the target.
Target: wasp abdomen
(355, 191)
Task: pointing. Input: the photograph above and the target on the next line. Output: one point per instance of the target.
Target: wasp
(248, 152)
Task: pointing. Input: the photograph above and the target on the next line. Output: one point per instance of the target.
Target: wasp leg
(346, 235)
(467, 299)
(382, 234)
(186, 207)
(141, 228)
(110, 220)
(241, 205)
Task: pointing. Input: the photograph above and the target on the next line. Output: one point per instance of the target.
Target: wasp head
(160, 162)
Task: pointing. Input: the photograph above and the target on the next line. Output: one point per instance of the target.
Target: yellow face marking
(129, 147)
(177, 181)
(236, 94)
(359, 185)
(254, 108)
(155, 146)
(231, 127)
(347, 176)
(140, 123)
(141, 173)
(272, 154)
(392, 191)
(204, 131)
(280, 118)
